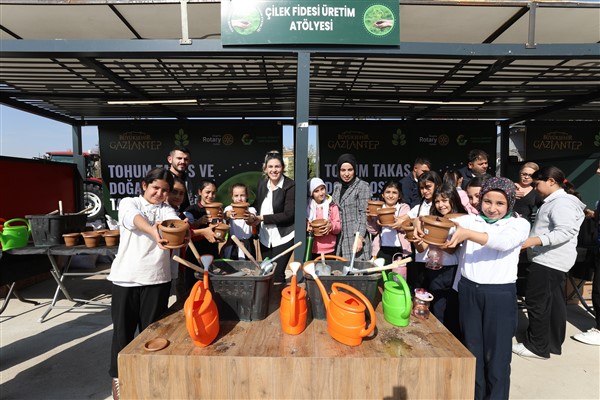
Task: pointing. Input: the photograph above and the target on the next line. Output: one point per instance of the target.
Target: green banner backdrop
(225, 152)
(348, 22)
(386, 150)
(550, 140)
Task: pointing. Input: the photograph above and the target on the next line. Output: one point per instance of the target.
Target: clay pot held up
(373, 206)
(386, 216)
(240, 209)
(221, 231)
(213, 210)
(408, 227)
(436, 229)
(173, 230)
(317, 226)
(454, 215)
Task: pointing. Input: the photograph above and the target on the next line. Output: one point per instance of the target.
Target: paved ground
(67, 356)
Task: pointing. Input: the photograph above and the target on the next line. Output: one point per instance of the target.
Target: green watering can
(397, 303)
(14, 237)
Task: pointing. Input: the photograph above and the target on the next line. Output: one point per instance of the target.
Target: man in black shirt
(179, 159)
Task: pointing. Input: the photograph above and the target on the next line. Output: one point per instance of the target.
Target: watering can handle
(189, 310)
(362, 297)
(407, 297)
(293, 303)
(7, 223)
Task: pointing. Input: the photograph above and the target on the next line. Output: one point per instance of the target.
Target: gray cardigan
(557, 225)
(353, 206)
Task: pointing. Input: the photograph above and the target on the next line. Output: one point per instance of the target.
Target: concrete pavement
(67, 356)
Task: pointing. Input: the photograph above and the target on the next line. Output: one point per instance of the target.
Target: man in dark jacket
(410, 187)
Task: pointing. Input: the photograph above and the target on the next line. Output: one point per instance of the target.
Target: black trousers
(415, 275)
(445, 299)
(279, 275)
(134, 308)
(488, 319)
(390, 254)
(546, 310)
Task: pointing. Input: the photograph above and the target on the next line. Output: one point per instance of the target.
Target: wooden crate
(256, 360)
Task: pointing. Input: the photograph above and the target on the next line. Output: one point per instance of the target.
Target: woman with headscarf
(487, 294)
(351, 194)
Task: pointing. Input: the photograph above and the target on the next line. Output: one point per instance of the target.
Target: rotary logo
(443, 140)
(227, 139)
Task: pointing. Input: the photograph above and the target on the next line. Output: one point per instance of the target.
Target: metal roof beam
(212, 47)
(103, 70)
(592, 96)
(37, 111)
(465, 3)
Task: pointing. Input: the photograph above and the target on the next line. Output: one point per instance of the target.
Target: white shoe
(520, 350)
(590, 337)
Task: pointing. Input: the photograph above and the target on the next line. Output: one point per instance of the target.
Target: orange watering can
(201, 314)
(346, 320)
(293, 310)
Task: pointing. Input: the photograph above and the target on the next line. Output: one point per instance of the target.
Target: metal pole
(301, 149)
(185, 36)
(531, 33)
(79, 160)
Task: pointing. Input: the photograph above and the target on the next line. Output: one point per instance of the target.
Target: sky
(27, 135)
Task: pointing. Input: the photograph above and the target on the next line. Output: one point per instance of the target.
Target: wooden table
(256, 360)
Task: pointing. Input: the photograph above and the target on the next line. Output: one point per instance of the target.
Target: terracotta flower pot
(386, 216)
(213, 210)
(91, 238)
(408, 227)
(240, 209)
(112, 237)
(221, 231)
(173, 230)
(373, 206)
(454, 215)
(317, 225)
(71, 239)
(436, 229)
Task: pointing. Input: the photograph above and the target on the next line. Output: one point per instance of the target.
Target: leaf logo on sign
(597, 140)
(399, 138)
(181, 138)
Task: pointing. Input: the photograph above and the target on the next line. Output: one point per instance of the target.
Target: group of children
(471, 276)
(474, 291)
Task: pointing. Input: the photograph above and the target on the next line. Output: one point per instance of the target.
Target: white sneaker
(590, 337)
(520, 350)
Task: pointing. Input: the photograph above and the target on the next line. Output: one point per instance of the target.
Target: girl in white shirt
(141, 271)
(428, 182)
(441, 263)
(487, 293)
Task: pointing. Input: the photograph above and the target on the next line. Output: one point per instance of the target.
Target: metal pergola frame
(71, 81)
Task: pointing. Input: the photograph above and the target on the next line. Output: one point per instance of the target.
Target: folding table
(61, 250)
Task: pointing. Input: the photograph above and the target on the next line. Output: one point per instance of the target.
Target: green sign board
(349, 22)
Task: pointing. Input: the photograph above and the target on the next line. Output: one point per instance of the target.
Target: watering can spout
(309, 268)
